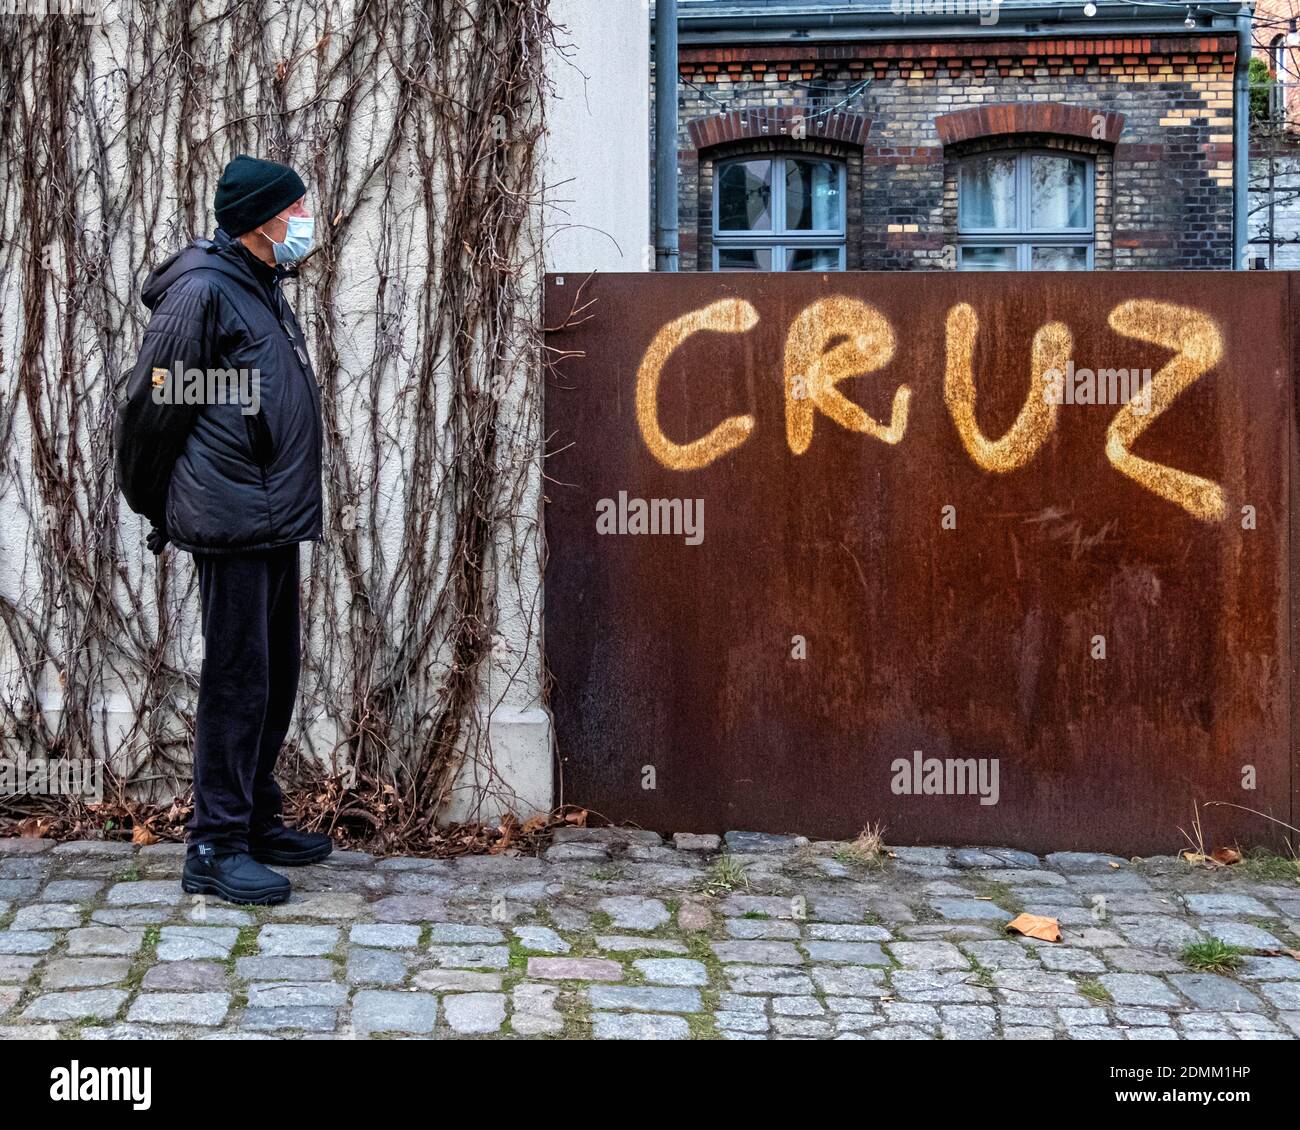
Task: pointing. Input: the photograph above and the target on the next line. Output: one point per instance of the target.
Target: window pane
(744, 259)
(988, 258)
(1057, 188)
(1059, 259)
(988, 192)
(812, 259)
(745, 196)
(812, 195)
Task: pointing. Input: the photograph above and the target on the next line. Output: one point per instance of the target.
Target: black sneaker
(233, 875)
(288, 847)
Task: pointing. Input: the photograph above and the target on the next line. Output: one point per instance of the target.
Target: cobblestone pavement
(617, 935)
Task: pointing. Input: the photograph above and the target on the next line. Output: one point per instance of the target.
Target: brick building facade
(910, 114)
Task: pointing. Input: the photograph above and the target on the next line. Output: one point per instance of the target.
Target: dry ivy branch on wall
(417, 127)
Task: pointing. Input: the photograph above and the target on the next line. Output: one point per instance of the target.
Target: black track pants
(246, 690)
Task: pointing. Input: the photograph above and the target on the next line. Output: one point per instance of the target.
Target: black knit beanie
(252, 191)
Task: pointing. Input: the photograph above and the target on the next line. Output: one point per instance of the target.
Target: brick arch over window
(721, 136)
(778, 121)
(1006, 119)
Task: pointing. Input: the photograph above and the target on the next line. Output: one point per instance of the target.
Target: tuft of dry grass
(868, 847)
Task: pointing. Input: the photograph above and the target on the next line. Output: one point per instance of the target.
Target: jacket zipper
(305, 369)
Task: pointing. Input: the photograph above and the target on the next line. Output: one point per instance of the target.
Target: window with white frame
(1277, 91)
(779, 213)
(1029, 210)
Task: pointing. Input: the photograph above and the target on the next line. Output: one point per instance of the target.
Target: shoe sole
(293, 858)
(212, 887)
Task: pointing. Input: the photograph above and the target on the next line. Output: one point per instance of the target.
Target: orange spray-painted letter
(1198, 345)
(1037, 417)
(812, 371)
(731, 315)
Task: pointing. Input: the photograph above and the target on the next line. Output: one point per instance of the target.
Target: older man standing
(238, 489)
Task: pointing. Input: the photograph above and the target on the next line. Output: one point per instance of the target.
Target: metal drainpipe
(665, 135)
(1241, 144)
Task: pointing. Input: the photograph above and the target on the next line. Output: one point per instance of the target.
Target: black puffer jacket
(217, 479)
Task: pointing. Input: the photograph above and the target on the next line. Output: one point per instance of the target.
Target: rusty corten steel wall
(882, 477)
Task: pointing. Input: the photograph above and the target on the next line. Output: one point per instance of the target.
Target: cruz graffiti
(838, 338)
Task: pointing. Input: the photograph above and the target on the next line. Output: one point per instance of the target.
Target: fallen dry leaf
(1226, 856)
(1036, 926)
(141, 835)
(1285, 950)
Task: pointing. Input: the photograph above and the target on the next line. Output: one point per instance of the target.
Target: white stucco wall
(596, 209)
(597, 218)
(598, 161)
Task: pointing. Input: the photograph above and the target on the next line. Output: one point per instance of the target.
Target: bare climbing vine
(417, 127)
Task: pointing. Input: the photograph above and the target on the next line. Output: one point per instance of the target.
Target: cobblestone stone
(760, 843)
(847, 953)
(457, 981)
(1242, 934)
(25, 942)
(195, 943)
(95, 1003)
(375, 967)
(469, 957)
(749, 929)
(622, 942)
(1138, 988)
(632, 912)
(929, 955)
(1206, 990)
(188, 977)
(541, 939)
(574, 969)
(759, 953)
(475, 1013)
(297, 941)
(644, 998)
(385, 935)
(47, 916)
(962, 910)
(535, 1012)
(452, 933)
(105, 940)
(638, 1026)
(672, 971)
(205, 1009)
(84, 972)
(303, 1019)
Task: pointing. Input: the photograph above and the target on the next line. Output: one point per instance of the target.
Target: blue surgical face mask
(297, 239)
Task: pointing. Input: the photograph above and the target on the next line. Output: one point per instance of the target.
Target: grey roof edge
(831, 22)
